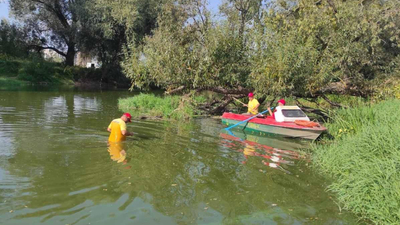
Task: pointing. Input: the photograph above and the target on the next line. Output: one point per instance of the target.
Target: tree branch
(221, 90)
(175, 90)
(56, 10)
(332, 103)
(221, 107)
(39, 48)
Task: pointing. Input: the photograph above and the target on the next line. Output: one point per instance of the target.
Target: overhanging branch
(40, 48)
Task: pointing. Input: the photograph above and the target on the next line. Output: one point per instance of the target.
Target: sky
(212, 5)
(4, 9)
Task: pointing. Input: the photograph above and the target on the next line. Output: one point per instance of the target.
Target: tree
(138, 17)
(313, 48)
(100, 34)
(12, 40)
(240, 13)
(54, 22)
(189, 51)
(106, 27)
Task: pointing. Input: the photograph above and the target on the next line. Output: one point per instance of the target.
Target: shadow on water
(56, 168)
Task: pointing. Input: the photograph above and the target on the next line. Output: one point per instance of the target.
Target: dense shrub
(9, 68)
(170, 107)
(39, 70)
(364, 160)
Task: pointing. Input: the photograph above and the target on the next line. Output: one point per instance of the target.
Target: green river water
(56, 168)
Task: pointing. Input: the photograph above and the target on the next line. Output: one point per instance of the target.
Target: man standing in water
(118, 130)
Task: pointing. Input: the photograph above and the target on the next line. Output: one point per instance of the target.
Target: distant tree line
(302, 48)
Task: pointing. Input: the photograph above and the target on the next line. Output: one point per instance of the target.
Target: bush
(39, 70)
(365, 164)
(9, 68)
(171, 107)
(351, 120)
(6, 83)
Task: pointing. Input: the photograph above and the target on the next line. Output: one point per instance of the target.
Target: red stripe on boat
(267, 121)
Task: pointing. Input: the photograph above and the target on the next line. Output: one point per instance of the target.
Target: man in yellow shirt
(252, 105)
(117, 128)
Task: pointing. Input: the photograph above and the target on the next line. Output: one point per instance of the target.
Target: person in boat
(117, 128)
(252, 105)
(281, 103)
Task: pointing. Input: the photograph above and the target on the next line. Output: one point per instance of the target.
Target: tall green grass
(364, 160)
(6, 82)
(170, 107)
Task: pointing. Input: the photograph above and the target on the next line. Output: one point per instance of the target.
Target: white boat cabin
(289, 114)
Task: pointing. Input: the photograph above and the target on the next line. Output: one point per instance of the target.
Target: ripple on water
(56, 168)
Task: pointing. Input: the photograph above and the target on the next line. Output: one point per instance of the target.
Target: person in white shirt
(277, 116)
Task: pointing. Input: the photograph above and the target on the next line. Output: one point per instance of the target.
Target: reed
(364, 161)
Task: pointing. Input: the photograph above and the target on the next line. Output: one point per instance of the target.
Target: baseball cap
(128, 115)
(251, 94)
(282, 101)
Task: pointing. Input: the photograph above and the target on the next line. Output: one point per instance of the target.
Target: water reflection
(117, 151)
(56, 110)
(253, 145)
(86, 105)
(167, 173)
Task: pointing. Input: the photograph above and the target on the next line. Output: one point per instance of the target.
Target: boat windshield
(293, 113)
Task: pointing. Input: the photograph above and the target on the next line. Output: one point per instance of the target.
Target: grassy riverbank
(18, 72)
(364, 160)
(34, 70)
(168, 107)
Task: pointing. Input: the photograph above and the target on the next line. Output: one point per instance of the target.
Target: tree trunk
(70, 57)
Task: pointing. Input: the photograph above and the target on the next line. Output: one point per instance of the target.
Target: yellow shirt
(117, 126)
(252, 104)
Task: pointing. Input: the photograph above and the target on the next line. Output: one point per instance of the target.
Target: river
(57, 168)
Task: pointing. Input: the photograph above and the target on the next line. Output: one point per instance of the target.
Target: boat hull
(268, 126)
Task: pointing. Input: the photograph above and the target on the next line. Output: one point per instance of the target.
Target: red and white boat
(288, 121)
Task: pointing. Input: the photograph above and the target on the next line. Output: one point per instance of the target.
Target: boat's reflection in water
(276, 152)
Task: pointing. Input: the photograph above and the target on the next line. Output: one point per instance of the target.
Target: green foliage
(188, 49)
(10, 82)
(352, 120)
(9, 68)
(303, 48)
(12, 40)
(137, 17)
(281, 49)
(364, 165)
(334, 47)
(50, 24)
(389, 89)
(168, 107)
(39, 71)
(397, 91)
